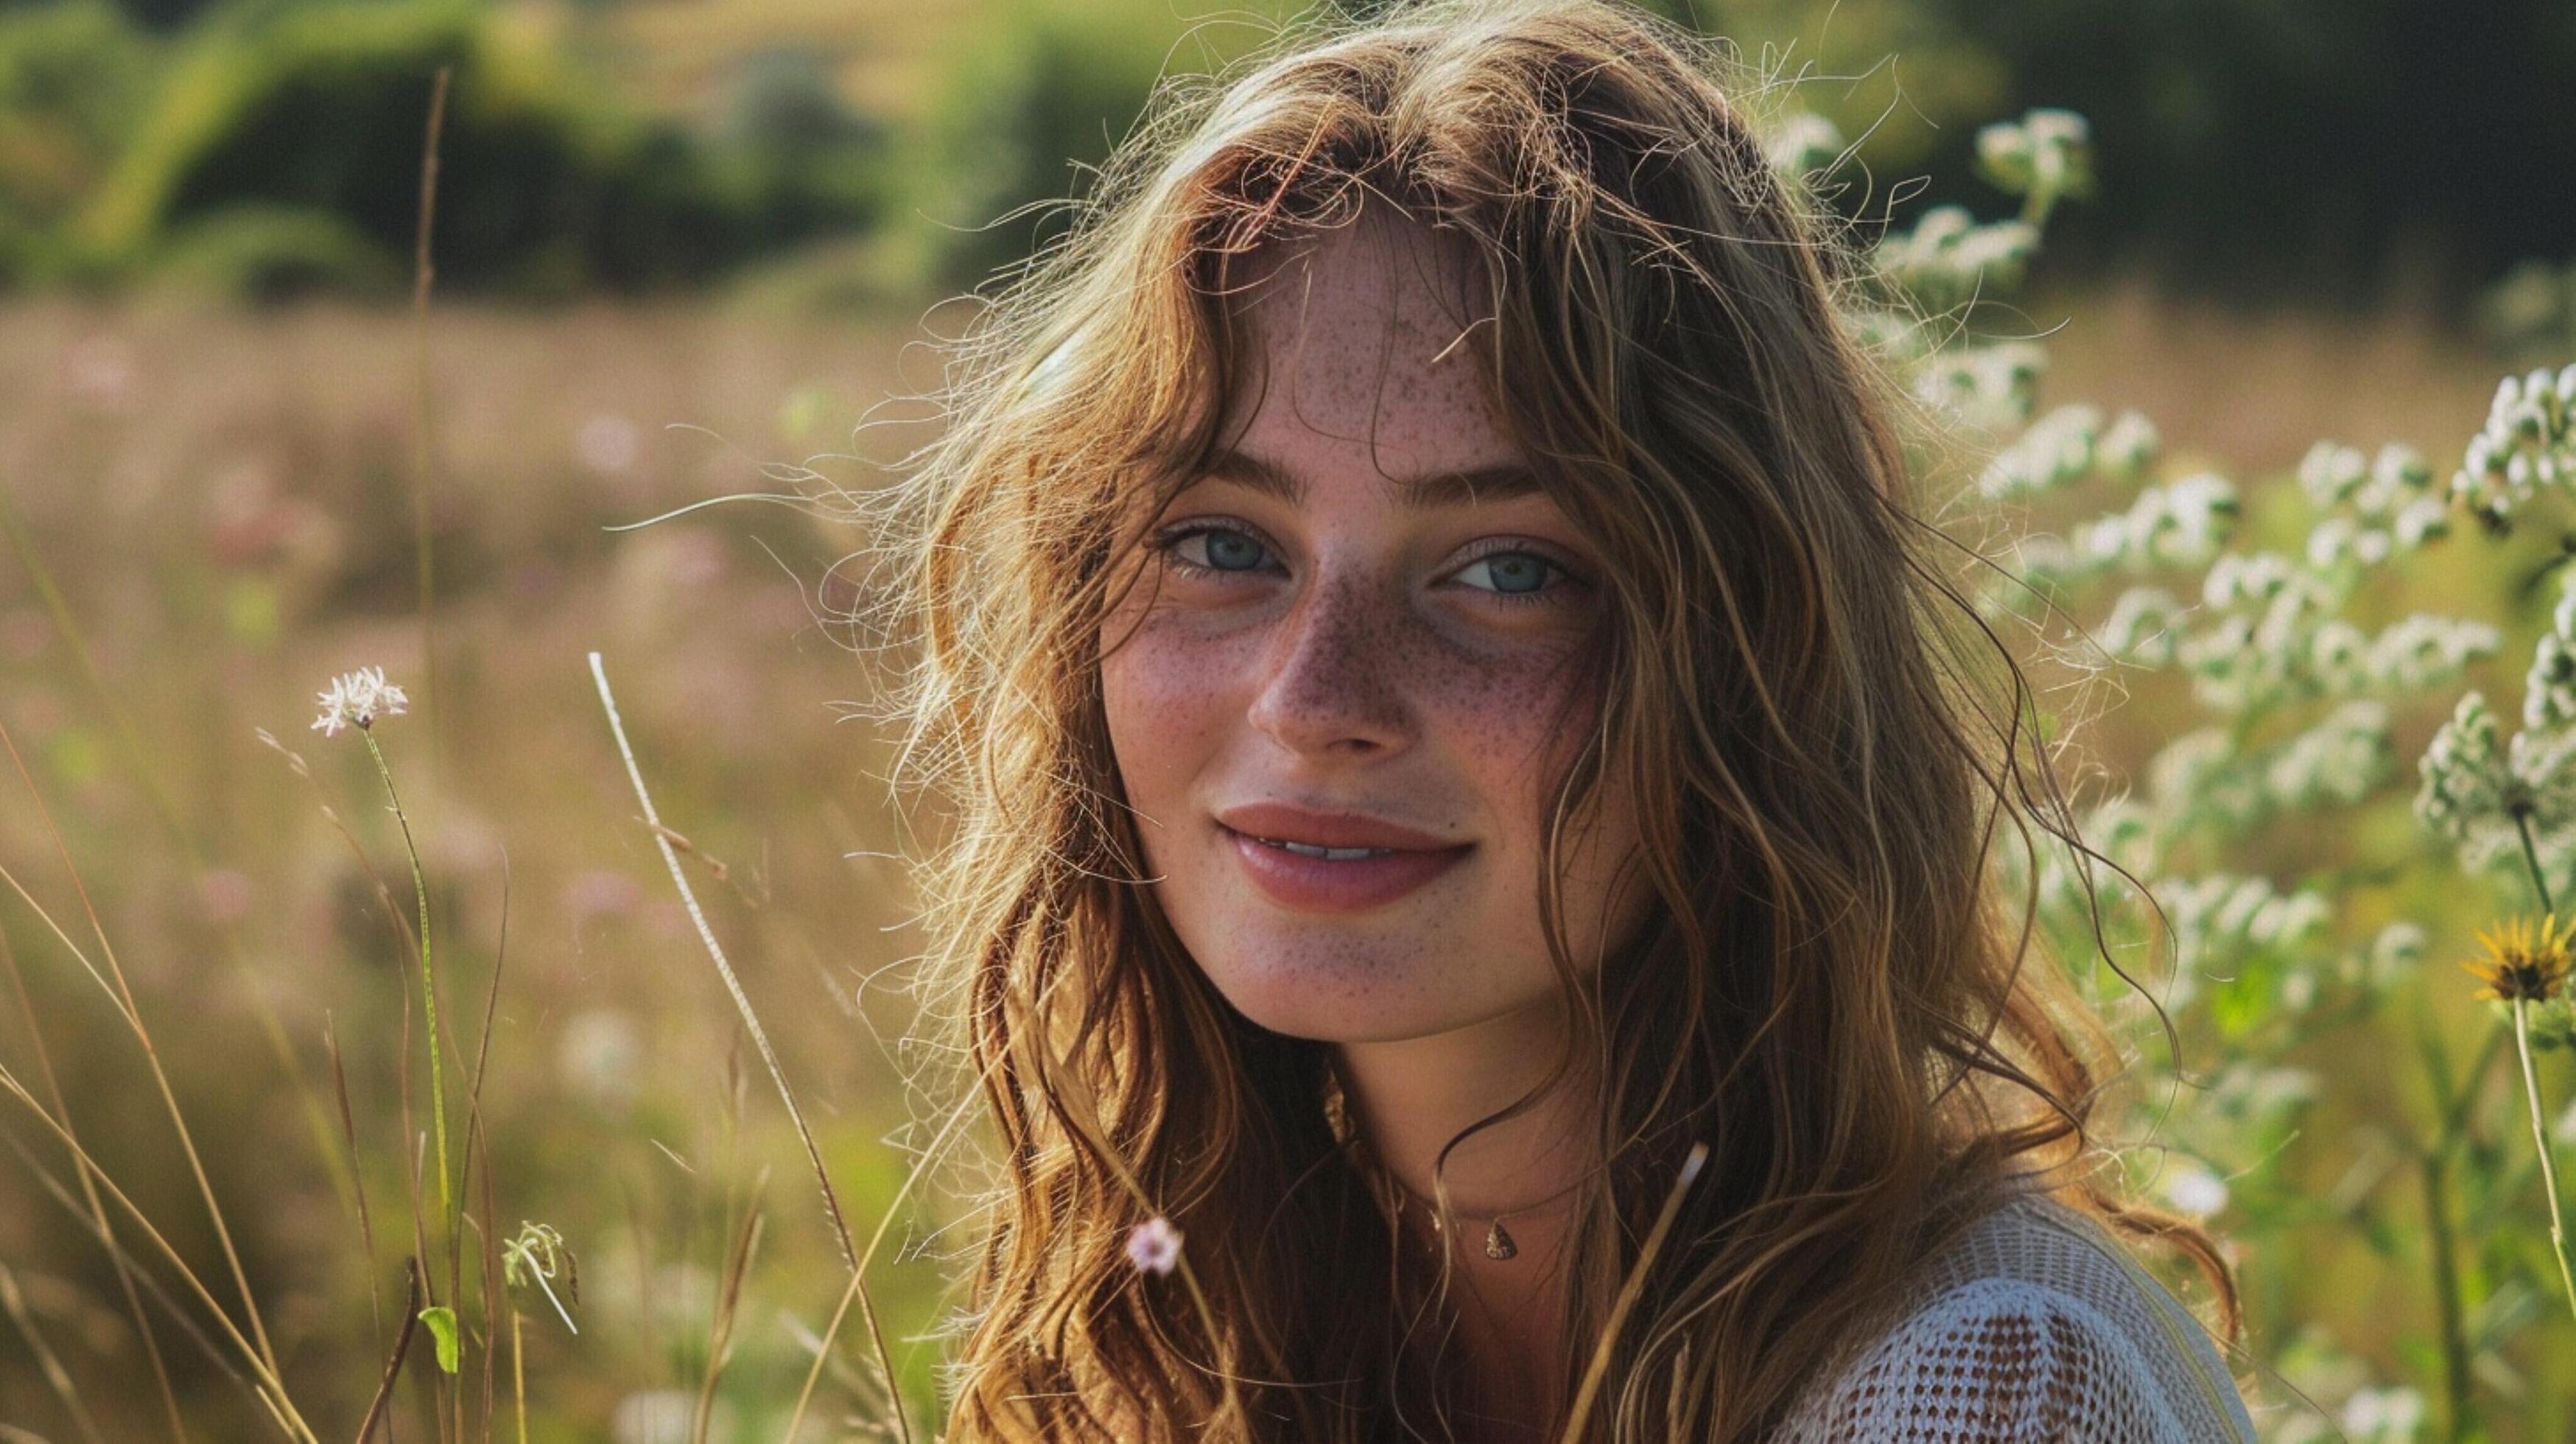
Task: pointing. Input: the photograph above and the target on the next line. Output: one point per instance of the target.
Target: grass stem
(2540, 1140)
(428, 985)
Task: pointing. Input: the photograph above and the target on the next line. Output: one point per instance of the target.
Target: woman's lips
(1338, 885)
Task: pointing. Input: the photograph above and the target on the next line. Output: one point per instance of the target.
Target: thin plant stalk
(122, 994)
(728, 1308)
(424, 459)
(519, 1375)
(478, 1145)
(428, 983)
(47, 1363)
(89, 1191)
(2435, 1159)
(447, 1203)
(2540, 1139)
(1629, 1289)
(724, 969)
(170, 1307)
(139, 761)
(750, 1019)
(549, 1291)
(394, 1360)
(366, 1221)
(857, 1290)
(271, 1390)
(2461, 1400)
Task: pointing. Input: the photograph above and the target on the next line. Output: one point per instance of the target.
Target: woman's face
(1364, 630)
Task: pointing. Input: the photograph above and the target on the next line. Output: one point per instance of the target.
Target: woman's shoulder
(2034, 1324)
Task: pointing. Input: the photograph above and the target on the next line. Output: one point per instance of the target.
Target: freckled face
(1338, 637)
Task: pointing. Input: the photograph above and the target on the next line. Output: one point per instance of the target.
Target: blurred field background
(684, 247)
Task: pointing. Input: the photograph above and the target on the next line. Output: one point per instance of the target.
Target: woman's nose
(1330, 681)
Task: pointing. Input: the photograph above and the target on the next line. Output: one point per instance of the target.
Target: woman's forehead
(1368, 329)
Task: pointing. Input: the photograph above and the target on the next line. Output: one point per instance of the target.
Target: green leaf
(442, 1326)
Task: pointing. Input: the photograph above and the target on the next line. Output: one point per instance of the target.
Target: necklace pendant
(1498, 1244)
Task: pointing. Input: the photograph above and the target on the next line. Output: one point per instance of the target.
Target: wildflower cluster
(2219, 916)
(2528, 444)
(2549, 687)
(2045, 155)
(1802, 142)
(2281, 645)
(2375, 506)
(2180, 523)
(2485, 797)
(1982, 386)
(2068, 445)
(1948, 253)
(2274, 636)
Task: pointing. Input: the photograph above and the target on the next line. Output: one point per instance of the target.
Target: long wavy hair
(1835, 992)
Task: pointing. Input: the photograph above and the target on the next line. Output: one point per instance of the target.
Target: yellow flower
(2519, 965)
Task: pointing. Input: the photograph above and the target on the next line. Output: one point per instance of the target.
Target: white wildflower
(2464, 779)
(2338, 760)
(1803, 142)
(2194, 1189)
(2481, 795)
(2529, 442)
(2549, 688)
(2420, 521)
(607, 444)
(358, 698)
(2382, 1416)
(2130, 446)
(2329, 473)
(2421, 650)
(2396, 950)
(2142, 625)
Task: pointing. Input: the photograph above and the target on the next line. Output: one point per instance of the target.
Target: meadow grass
(213, 512)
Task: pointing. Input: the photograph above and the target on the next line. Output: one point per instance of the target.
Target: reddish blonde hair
(1835, 994)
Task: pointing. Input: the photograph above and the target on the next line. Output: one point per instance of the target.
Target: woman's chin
(1329, 1007)
(1391, 1006)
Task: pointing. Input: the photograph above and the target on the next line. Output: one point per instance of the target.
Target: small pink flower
(100, 371)
(223, 895)
(1154, 1246)
(600, 893)
(607, 444)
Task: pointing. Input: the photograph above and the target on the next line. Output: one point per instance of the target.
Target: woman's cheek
(1504, 710)
(1165, 694)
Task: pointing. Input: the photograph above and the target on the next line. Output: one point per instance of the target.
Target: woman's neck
(1409, 1098)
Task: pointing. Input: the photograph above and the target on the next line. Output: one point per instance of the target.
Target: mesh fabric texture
(2037, 1325)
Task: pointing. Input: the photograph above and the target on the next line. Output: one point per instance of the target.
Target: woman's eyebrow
(1499, 482)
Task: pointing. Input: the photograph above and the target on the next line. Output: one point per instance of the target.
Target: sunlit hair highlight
(1823, 740)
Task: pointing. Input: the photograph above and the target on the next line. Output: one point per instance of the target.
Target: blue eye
(1231, 551)
(1511, 574)
(1224, 549)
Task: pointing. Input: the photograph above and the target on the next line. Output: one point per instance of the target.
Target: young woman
(1450, 712)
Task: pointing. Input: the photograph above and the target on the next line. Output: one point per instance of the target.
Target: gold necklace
(1498, 1240)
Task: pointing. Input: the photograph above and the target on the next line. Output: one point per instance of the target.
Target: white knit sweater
(2036, 1325)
